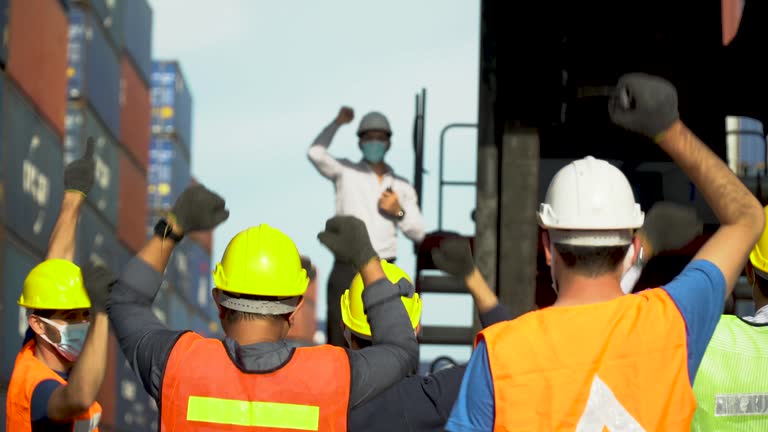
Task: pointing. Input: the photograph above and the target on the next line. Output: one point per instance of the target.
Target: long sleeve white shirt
(358, 190)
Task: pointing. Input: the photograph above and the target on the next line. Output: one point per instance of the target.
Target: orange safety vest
(28, 372)
(204, 391)
(615, 365)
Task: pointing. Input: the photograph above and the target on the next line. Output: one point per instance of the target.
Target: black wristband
(163, 230)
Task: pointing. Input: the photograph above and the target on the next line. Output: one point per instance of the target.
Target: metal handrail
(442, 182)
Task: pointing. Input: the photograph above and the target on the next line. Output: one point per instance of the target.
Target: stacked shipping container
(187, 293)
(32, 113)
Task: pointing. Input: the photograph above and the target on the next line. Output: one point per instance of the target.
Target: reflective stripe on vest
(616, 365)
(28, 372)
(252, 413)
(203, 390)
(731, 386)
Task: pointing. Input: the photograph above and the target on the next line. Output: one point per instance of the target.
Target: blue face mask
(373, 151)
(72, 338)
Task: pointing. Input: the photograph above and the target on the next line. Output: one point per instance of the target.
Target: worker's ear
(36, 324)
(547, 250)
(215, 295)
(750, 271)
(417, 331)
(295, 311)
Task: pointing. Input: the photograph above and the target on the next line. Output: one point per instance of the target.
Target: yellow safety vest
(731, 386)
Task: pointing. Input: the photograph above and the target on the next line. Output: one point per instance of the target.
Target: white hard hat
(373, 121)
(589, 202)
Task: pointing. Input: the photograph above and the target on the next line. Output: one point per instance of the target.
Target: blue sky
(266, 77)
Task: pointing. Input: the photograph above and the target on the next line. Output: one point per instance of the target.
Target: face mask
(72, 337)
(373, 151)
(552, 267)
(632, 271)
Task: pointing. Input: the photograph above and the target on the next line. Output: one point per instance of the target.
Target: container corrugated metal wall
(200, 271)
(137, 17)
(37, 56)
(4, 13)
(94, 68)
(171, 103)
(16, 262)
(81, 124)
(110, 16)
(34, 165)
(179, 312)
(135, 410)
(96, 241)
(132, 205)
(135, 111)
(168, 173)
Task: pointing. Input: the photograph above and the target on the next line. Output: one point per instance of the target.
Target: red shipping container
(37, 55)
(106, 395)
(132, 204)
(135, 112)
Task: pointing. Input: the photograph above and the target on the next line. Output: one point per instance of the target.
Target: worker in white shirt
(369, 190)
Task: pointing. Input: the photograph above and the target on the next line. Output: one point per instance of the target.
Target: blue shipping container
(94, 68)
(109, 13)
(179, 313)
(134, 409)
(16, 264)
(96, 241)
(200, 270)
(34, 180)
(171, 102)
(5, 11)
(168, 173)
(137, 25)
(81, 123)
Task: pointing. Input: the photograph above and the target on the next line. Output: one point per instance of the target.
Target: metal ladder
(437, 283)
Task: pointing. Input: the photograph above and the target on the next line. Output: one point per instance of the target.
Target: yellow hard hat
(353, 312)
(759, 255)
(261, 261)
(55, 284)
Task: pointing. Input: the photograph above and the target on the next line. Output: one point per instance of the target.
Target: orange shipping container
(37, 55)
(135, 112)
(132, 205)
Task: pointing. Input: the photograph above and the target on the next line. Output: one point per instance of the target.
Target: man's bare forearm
(62, 242)
(731, 201)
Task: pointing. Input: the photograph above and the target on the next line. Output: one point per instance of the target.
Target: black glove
(643, 103)
(670, 226)
(454, 257)
(199, 209)
(79, 174)
(98, 281)
(347, 238)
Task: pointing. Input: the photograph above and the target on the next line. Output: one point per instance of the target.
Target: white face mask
(71, 338)
(632, 271)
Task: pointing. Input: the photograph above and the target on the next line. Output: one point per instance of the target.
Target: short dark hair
(591, 261)
(762, 284)
(44, 313)
(232, 316)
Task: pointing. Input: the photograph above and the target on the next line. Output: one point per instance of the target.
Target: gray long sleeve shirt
(147, 343)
